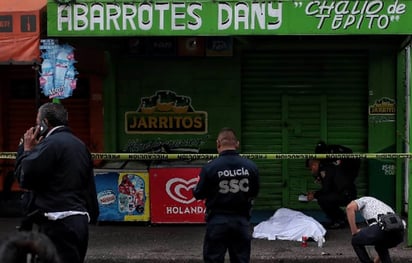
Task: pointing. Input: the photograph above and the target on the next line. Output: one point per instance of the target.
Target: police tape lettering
(258, 156)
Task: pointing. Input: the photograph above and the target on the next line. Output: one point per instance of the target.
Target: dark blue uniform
(337, 190)
(229, 184)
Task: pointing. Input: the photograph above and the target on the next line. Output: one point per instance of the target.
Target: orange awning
(20, 30)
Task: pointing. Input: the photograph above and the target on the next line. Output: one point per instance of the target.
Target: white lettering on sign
(180, 189)
(178, 210)
(249, 15)
(125, 16)
(347, 14)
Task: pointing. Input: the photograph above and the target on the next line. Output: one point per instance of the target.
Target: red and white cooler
(172, 200)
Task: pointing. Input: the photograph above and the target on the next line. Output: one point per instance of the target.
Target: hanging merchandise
(58, 74)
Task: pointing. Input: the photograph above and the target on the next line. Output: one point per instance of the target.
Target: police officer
(337, 180)
(335, 191)
(229, 183)
(372, 235)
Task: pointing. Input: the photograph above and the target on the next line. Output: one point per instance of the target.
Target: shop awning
(20, 30)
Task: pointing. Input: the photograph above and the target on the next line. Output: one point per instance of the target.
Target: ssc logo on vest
(234, 186)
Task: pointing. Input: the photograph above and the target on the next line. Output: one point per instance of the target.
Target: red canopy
(20, 30)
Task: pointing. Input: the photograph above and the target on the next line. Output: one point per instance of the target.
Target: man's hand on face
(30, 138)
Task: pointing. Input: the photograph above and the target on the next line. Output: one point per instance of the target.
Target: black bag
(390, 222)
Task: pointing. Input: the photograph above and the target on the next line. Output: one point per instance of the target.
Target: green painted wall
(401, 125)
(382, 128)
(212, 83)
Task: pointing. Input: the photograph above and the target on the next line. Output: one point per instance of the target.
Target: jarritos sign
(383, 106)
(166, 112)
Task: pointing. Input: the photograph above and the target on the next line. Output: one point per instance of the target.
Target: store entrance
(302, 127)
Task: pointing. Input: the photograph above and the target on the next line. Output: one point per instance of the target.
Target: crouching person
(381, 233)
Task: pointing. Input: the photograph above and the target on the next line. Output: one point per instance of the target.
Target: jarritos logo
(383, 106)
(166, 112)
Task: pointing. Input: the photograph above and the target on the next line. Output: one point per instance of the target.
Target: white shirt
(370, 207)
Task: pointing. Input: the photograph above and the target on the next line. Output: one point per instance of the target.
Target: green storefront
(285, 74)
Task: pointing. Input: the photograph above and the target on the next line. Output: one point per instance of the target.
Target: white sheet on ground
(287, 224)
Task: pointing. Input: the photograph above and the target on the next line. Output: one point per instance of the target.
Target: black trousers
(227, 233)
(70, 235)
(374, 236)
(330, 203)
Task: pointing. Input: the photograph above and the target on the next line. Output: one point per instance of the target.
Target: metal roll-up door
(22, 110)
(292, 99)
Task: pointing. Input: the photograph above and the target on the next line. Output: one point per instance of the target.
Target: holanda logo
(180, 189)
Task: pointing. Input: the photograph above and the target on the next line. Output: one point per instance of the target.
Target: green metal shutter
(290, 100)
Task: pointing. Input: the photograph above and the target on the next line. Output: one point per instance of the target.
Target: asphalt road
(125, 242)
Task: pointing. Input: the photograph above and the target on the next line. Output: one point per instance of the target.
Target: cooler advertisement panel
(123, 196)
(172, 200)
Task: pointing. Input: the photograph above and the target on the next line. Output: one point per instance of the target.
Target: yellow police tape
(254, 156)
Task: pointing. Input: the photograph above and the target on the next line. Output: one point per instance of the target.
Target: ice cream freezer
(171, 184)
(123, 191)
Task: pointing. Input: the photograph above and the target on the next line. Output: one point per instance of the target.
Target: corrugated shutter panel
(261, 133)
(22, 115)
(22, 110)
(290, 100)
(79, 118)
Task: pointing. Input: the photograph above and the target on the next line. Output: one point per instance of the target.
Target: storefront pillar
(382, 126)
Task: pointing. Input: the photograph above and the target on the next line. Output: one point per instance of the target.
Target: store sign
(166, 112)
(173, 18)
(383, 106)
(172, 199)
